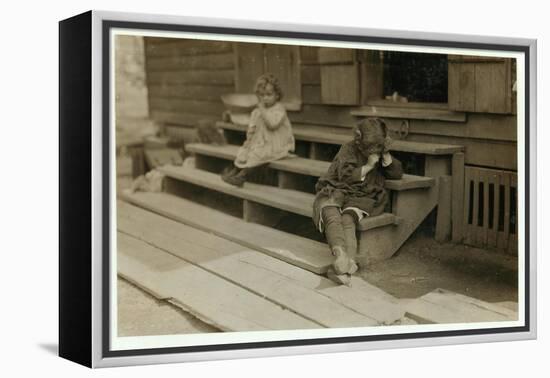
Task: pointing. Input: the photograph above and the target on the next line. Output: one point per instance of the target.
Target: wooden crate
(491, 209)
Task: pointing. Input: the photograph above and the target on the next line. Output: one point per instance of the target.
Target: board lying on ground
(302, 252)
(443, 306)
(194, 290)
(311, 296)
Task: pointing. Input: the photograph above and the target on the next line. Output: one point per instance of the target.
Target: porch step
(296, 250)
(292, 201)
(340, 135)
(309, 167)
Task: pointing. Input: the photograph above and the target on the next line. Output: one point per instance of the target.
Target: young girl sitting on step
(269, 135)
(352, 189)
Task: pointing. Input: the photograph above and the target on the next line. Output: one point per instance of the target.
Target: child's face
(267, 96)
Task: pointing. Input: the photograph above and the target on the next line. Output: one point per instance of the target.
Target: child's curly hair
(372, 132)
(266, 79)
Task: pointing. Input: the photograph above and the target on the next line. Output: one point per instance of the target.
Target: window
(419, 77)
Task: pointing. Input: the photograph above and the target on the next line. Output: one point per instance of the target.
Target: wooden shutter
(481, 84)
(339, 76)
(250, 63)
(284, 62)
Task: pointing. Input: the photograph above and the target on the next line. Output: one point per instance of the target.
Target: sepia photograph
(275, 189)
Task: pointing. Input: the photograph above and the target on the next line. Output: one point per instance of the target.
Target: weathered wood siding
(283, 61)
(132, 120)
(186, 79)
(481, 84)
(130, 85)
(490, 139)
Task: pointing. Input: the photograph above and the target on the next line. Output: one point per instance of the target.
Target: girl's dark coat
(342, 186)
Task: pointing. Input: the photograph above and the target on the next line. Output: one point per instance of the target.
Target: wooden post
(138, 160)
(314, 151)
(436, 166)
(457, 211)
(513, 243)
(472, 234)
(256, 213)
(504, 235)
(492, 235)
(285, 181)
(439, 167)
(210, 164)
(443, 222)
(466, 228)
(295, 181)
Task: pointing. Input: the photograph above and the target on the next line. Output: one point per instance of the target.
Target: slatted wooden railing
(490, 209)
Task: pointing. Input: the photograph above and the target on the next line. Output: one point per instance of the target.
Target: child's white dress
(268, 138)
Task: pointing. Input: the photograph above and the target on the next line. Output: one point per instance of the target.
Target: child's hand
(373, 159)
(369, 166)
(386, 159)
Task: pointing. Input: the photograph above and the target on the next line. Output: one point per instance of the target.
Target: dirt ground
(141, 314)
(421, 266)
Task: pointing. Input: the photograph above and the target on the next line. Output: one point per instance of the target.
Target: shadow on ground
(50, 348)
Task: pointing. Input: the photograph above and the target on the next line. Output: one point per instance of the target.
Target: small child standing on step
(269, 136)
(352, 189)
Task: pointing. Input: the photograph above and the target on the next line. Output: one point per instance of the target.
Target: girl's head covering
(371, 136)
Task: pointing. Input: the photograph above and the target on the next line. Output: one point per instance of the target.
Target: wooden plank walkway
(302, 252)
(286, 285)
(193, 289)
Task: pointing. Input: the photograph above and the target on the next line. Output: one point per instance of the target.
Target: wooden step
(190, 287)
(306, 294)
(292, 201)
(302, 252)
(309, 167)
(337, 135)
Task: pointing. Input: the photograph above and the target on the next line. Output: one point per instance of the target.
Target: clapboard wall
(130, 85)
(187, 77)
(489, 138)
